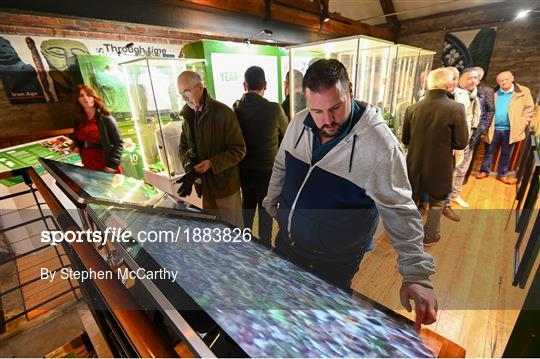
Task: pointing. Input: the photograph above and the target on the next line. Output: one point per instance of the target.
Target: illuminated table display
(26, 155)
(266, 305)
(155, 108)
(85, 186)
(385, 75)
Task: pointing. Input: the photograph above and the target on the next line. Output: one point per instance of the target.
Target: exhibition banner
(229, 69)
(36, 68)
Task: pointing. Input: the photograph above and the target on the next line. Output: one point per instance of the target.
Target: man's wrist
(423, 282)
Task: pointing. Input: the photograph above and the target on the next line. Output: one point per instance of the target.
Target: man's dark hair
(325, 73)
(254, 78)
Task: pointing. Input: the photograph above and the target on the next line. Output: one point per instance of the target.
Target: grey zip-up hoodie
(364, 174)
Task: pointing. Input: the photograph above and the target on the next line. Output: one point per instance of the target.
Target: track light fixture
(265, 31)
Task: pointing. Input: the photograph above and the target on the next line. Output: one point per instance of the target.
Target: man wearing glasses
(211, 146)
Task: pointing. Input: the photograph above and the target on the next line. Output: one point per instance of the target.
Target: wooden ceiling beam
(392, 20)
(302, 13)
(304, 5)
(491, 14)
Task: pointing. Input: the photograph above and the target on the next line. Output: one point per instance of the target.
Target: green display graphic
(204, 49)
(132, 163)
(105, 76)
(57, 148)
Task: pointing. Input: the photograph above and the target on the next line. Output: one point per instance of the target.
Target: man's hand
(186, 185)
(272, 210)
(425, 304)
(202, 166)
(108, 169)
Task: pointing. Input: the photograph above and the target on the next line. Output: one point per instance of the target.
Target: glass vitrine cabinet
(155, 108)
(365, 58)
(387, 75)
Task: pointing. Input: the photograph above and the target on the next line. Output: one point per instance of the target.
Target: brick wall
(517, 48)
(21, 119)
(517, 44)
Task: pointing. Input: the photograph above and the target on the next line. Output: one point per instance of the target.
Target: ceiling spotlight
(325, 17)
(265, 31)
(523, 13)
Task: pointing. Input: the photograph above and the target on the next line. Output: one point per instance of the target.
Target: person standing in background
(97, 136)
(432, 129)
(262, 123)
(486, 96)
(514, 107)
(487, 109)
(299, 98)
(467, 82)
(211, 147)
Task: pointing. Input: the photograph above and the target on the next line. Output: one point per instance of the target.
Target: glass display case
(425, 61)
(155, 107)
(226, 63)
(365, 58)
(104, 75)
(410, 66)
(387, 75)
(403, 62)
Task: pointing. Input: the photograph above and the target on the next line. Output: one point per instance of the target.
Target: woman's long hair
(99, 103)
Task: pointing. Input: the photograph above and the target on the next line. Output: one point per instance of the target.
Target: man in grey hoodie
(338, 168)
(263, 124)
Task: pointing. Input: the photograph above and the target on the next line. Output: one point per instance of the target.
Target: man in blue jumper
(514, 107)
(338, 168)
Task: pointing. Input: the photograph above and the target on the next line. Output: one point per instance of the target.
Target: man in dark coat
(262, 122)
(432, 129)
(487, 103)
(487, 107)
(211, 147)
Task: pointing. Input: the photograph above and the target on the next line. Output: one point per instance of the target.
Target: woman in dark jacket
(97, 136)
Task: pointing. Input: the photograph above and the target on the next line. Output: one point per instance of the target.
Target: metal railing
(29, 301)
(129, 332)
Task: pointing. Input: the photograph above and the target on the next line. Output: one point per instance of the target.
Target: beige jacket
(520, 113)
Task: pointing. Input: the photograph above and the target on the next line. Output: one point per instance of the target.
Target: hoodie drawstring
(299, 137)
(352, 153)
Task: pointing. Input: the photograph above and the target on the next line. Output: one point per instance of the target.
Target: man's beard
(337, 129)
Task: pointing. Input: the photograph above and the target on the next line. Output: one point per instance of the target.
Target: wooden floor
(42, 290)
(74, 349)
(37, 292)
(478, 306)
